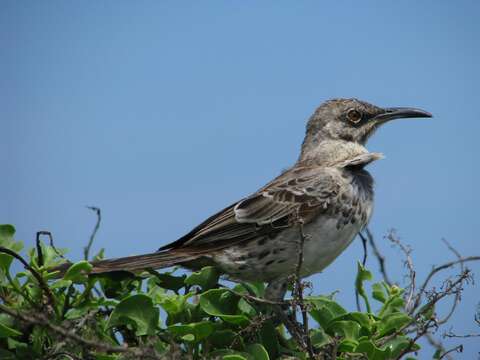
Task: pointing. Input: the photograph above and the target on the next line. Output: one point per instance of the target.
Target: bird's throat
(331, 152)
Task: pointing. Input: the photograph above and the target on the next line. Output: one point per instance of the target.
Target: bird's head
(351, 121)
(354, 120)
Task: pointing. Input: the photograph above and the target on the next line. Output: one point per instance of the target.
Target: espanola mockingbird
(327, 191)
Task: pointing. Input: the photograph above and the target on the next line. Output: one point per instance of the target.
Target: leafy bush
(173, 316)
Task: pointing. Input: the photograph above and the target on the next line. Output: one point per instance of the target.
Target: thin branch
(407, 251)
(365, 252)
(50, 240)
(40, 260)
(456, 300)
(36, 275)
(437, 269)
(458, 349)
(42, 320)
(299, 291)
(451, 334)
(437, 344)
(364, 261)
(86, 249)
(379, 256)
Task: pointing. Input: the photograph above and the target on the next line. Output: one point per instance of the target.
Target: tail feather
(156, 260)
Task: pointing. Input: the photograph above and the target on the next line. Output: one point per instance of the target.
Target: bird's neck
(329, 152)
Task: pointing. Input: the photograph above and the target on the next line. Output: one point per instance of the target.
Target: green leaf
(6, 240)
(319, 338)
(170, 282)
(100, 255)
(6, 233)
(362, 276)
(61, 284)
(199, 331)
(78, 272)
(206, 278)
(224, 304)
(229, 355)
(373, 353)
(345, 328)
(398, 344)
(268, 337)
(392, 322)
(378, 292)
(325, 310)
(347, 345)
(7, 355)
(50, 256)
(222, 338)
(77, 313)
(138, 309)
(234, 357)
(394, 304)
(177, 307)
(188, 338)
(258, 352)
(106, 357)
(117, 284)
(252, 288)
(364, 320)
(6, 331)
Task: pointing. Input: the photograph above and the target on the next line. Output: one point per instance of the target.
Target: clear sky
(161, 113)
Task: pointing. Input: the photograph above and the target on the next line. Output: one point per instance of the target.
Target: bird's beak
(401, 113)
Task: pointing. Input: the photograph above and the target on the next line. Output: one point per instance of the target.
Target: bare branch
(51, 243)
(364, 261)
(407, 251)
(36, 275)
(299, 287)
(42, 320)
(437, 269)
(458, 349)
(86, 249)
(456, 300)
(379, 256)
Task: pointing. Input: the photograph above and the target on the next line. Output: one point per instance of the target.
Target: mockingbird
(327, 192)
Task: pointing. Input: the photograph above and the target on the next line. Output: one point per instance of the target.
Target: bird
(322, 202)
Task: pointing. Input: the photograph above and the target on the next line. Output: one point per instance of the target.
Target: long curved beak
(401, 113)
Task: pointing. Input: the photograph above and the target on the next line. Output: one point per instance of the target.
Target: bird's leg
(275, 291)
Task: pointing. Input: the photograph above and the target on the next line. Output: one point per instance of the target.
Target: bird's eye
(354, 116)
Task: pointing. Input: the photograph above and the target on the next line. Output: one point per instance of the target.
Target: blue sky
(161, 113)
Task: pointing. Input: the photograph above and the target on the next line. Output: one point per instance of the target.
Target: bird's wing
(297, 192)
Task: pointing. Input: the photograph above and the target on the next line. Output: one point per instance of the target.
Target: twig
(50, 240)
(42, 320)
(379, 256)
(458, 348)
(438, 269)
(456, 300)
(451, 334)
(452, 287)
(364, 244)
(36, 275)
(86, 249)
(299, 291)
(248, 297)
(409, 264)
(437, 344)
(40, 260)
(364, 261)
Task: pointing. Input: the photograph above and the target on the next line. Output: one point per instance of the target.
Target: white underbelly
(325, 243)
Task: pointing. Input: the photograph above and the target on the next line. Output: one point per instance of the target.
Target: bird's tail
(156, 260)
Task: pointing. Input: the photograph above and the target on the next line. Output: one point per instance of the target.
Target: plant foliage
(172, 316)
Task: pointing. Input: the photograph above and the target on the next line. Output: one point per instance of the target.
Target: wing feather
(296, 191)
